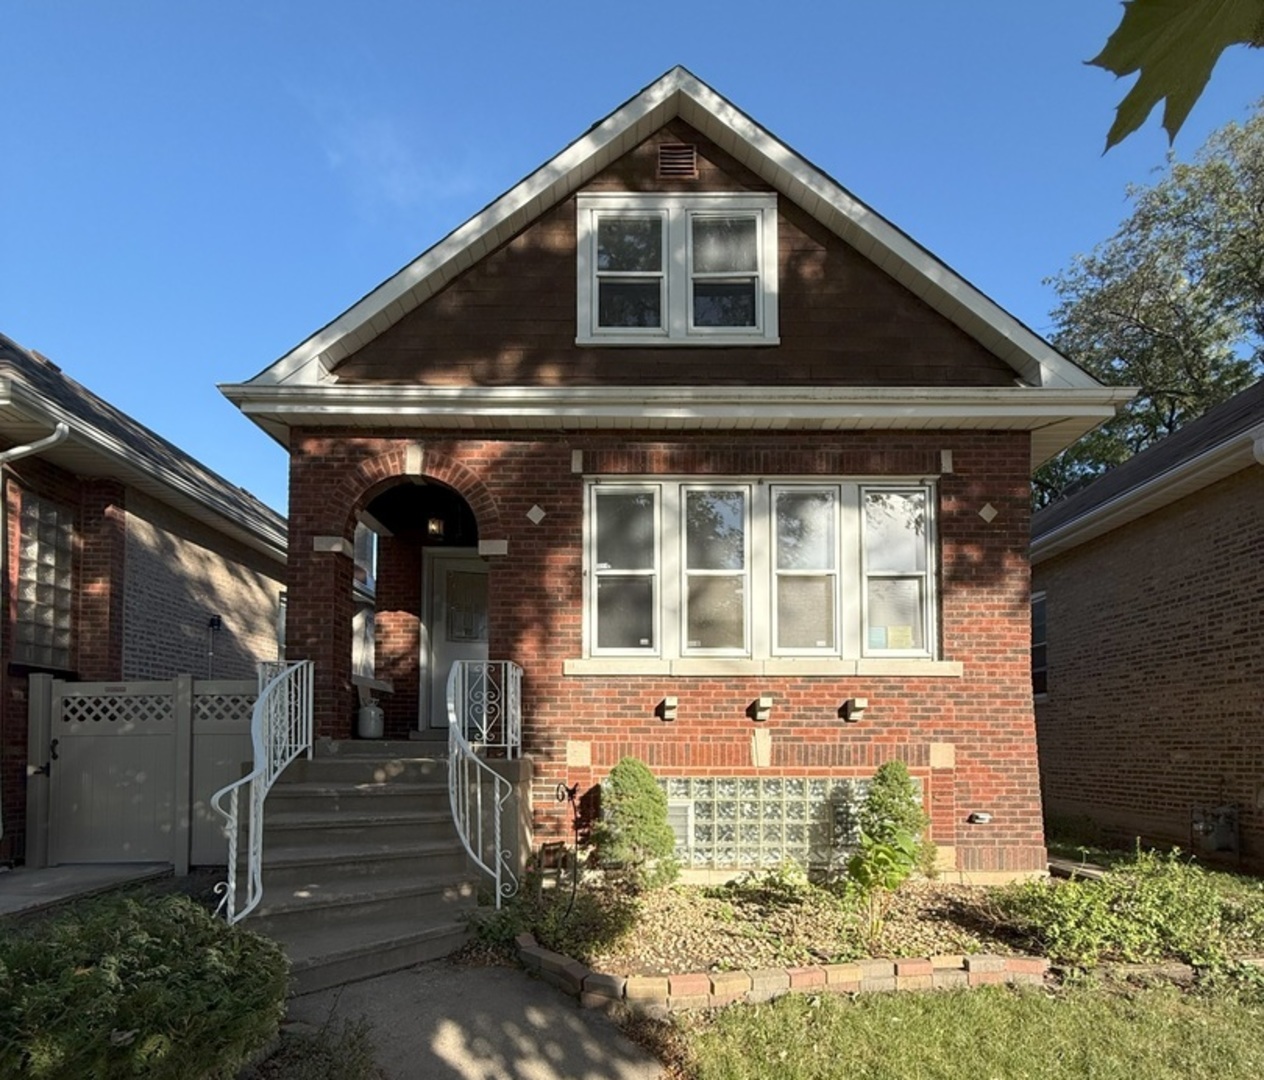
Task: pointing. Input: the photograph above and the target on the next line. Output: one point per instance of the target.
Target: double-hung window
(671, 269)
(744, 569)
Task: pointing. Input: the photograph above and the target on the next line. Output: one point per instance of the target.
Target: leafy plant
(892, 810)
(1152, 908)
(633, 834)
(121, 987)
(874, 874)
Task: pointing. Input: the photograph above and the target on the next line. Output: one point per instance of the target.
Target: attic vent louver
(677, 161)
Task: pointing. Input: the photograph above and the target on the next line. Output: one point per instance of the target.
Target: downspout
(60, 433)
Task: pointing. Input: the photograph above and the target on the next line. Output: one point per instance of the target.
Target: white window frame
(744, 574)
(1040, 600)
(851, 637)
(593, 571)
(677, 212)
(926, 576)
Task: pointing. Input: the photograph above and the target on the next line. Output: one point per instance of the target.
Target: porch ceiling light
(434, 527)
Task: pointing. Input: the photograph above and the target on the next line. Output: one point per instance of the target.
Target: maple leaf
(1174, 44)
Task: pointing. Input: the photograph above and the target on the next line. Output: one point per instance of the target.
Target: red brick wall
(1156, 668)
(984, 716)
(510, 319)
(109, 619)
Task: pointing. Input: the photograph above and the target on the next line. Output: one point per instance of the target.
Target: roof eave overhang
(1056, 418)
(20, 408)
(1192, 475)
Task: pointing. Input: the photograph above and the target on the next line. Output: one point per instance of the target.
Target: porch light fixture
(853, 709)
(666, 709)
(761, 708)
(434, 527)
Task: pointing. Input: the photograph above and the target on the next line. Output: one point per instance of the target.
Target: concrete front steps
(363, 872)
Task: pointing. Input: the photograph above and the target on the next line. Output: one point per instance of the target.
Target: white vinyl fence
(124, 772)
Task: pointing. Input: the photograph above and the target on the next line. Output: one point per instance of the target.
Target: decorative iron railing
(484, 713)
(280, 729)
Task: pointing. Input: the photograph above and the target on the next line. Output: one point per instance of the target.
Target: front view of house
(734, 470)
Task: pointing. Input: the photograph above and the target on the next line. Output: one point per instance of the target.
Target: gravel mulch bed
(686, 929)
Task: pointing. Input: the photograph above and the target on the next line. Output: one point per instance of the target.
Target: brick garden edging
(657, 995)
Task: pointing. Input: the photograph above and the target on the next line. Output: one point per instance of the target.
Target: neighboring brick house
(120, 551)
(1148, 597)
(677, 417)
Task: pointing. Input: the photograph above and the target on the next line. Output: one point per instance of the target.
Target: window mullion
(671, 584)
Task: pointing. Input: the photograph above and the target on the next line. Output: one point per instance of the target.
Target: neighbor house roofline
(678, 93)
(35, 396)
(1218, 444)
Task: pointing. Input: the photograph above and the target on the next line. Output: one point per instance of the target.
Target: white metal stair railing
(280, 730)
(484, 713)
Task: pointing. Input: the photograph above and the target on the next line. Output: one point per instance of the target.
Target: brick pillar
(319, 604)
(102, 566)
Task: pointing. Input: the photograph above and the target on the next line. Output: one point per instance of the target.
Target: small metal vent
(677, 161)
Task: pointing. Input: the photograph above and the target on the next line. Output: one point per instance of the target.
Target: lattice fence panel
(148, 709)
(220, 707)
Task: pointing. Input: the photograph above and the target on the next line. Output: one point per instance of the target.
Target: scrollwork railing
(484, 713)
(280, 729)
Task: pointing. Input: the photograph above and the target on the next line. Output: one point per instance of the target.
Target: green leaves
(1174, 44)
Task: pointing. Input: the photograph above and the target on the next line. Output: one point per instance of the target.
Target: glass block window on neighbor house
(761, 821)
(45, 590)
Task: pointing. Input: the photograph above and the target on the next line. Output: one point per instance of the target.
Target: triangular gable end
(679, 93)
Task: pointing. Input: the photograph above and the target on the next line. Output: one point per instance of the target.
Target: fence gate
(132, 766)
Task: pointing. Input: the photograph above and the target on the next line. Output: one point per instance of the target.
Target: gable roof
(36, 396)
(1222, 441)
(678, 93)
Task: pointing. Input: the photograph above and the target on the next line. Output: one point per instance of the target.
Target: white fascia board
(270, 542)
(679, 93)
(550, 183)
(1190, 476)
(630, 407)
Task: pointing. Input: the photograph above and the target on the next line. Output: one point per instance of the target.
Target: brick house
(120, 550)
(1148, 657)
(717, 455)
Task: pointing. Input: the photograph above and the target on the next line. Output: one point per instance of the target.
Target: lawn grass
(1003, 1033)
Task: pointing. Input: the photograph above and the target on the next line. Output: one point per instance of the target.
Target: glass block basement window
(750, 822)
(45, 588)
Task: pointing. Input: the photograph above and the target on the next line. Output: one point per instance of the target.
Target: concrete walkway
(438, 1021)
(23, 891)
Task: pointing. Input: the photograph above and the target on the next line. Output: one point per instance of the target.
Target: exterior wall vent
(677, 161)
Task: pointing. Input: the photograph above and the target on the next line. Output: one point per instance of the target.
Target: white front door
(456, 621)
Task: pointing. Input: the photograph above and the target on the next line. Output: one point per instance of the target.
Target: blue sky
(190, 189)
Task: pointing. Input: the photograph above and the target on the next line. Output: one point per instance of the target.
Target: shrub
(124, 987)
(633, 833)
(1152, 908)
(874, 874)
(891, 809)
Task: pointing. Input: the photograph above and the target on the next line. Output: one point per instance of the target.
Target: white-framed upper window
(746, 569)
(667, 269)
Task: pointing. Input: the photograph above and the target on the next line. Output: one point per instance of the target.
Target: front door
(456, 620)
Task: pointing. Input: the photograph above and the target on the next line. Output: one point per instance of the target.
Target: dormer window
(677, 269)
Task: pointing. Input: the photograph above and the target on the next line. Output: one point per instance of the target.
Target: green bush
(1154, 907)
(891, 810)
(127, 987)
(633, 834)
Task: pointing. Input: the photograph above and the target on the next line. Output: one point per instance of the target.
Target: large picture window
(662, 269)
(739, 569)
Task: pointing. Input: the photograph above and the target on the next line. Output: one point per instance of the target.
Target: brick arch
(375, 474)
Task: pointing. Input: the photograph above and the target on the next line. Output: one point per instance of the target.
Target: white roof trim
(1056, 417)
(1192, 475)
(183, 494)
(679, 93)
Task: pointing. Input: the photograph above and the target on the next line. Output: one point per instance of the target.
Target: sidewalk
(438, 1021)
